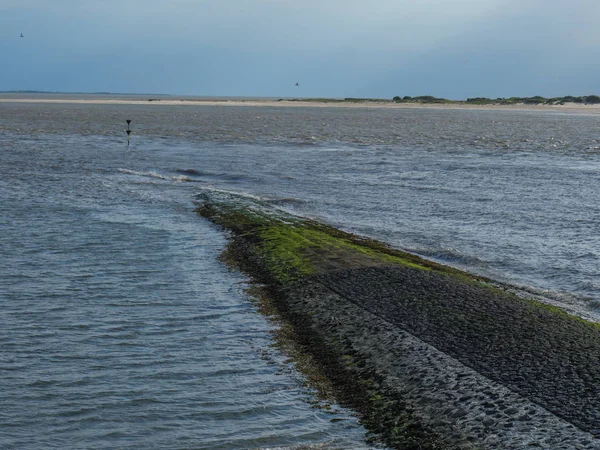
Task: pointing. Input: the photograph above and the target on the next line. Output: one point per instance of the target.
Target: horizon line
(149, 94)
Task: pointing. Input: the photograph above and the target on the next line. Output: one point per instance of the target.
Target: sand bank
(431, 357)
(566, 108)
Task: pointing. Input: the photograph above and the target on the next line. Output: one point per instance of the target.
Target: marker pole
(128, 131)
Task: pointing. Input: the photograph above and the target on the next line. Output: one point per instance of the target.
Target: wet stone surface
(464, 408)
(547, 358)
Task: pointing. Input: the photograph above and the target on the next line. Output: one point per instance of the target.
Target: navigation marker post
(128, 131)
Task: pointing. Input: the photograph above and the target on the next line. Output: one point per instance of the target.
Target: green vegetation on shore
(337, 100)
(424, 99)
(291, 248)
(537, 100)
(429, 99)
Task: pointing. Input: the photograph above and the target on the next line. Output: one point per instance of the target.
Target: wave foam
(144, 174)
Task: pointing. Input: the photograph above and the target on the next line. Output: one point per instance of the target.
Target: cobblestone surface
(362, 316)
(548, 358)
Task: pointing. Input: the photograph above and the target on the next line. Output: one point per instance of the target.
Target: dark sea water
(122, 329)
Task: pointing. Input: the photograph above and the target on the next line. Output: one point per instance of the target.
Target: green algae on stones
(291, 248)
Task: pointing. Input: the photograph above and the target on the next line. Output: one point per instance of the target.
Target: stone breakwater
(456, 406)
(429, 356)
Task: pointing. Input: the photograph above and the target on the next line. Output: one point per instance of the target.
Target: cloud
(339, 47)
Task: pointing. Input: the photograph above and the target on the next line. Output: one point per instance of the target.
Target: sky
(333, 48)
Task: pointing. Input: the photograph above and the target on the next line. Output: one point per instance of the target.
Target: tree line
(536, 100)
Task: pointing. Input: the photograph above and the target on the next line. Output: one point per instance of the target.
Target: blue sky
(333, 48)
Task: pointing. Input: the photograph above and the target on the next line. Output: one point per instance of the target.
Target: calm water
(120, 327)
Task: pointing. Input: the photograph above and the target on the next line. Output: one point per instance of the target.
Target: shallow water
(122, 329)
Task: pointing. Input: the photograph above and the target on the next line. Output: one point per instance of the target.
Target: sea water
(121, 328)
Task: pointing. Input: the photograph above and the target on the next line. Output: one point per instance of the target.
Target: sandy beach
(575, 108)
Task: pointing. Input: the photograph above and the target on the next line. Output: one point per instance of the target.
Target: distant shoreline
(313, 103)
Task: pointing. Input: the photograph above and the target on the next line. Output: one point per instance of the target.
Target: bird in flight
(22, 35)
(297, 84)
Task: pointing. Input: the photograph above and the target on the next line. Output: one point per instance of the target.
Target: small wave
(269, 200)
(182, 178)
(590, 286)
(144, 174)
(179, 178)
(587, 255)
(382, 162)
(284, 201)
(233, 176)
(594, 304)
(413, 175)
(318, 446)
(227, 192)
(575, 304)
(451, 256)
(305, 140)
(193, 172)
(143, 401)
(228, 176)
